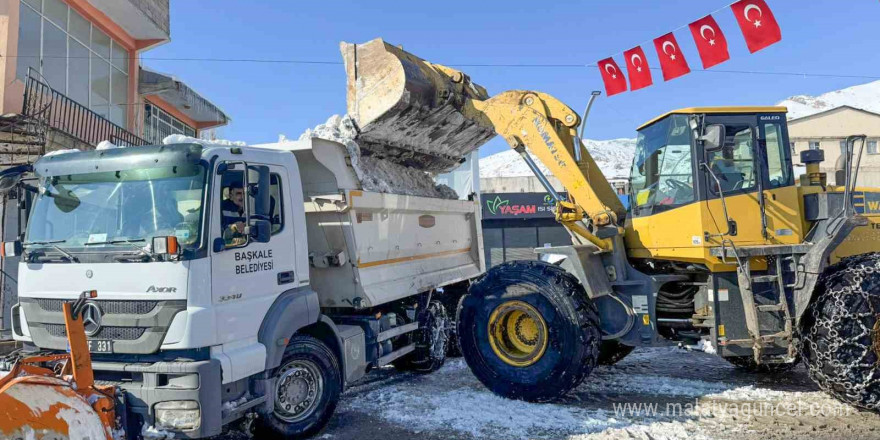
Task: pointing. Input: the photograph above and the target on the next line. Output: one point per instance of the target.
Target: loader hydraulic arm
(546, 127)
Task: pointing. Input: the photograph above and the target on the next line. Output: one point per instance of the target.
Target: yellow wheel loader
(722, 246)
(55, 397)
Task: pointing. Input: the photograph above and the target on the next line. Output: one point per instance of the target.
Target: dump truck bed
(368, 248)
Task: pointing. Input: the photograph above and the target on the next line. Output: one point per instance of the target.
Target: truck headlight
(178, 414)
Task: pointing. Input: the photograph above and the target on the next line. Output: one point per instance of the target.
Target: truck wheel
(748, 364)
(528, 331)
(306, 390)
(432, 341)
(454, 341)
(612, 352)
(840, 332)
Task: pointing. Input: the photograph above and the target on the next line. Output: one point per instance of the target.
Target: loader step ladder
(781, 260)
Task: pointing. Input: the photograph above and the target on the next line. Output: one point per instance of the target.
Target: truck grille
(109, 307)
(108, 332)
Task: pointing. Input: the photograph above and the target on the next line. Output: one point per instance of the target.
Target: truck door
(247, 275)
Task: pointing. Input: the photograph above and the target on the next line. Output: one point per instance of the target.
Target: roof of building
(175, 92)
(830, 110)
(717, 110)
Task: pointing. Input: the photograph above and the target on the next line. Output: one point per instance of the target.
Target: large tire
(310, 369)
(612, 352)
(748, 364)
(528, 331)
(840, 332)
(432, 341)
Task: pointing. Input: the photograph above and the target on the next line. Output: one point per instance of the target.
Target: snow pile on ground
(708, 397)
(864, 96)
(614, 158)
(376, 174)
(181, 139)
(444, 401)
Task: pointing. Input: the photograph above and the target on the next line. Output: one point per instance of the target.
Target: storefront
(514, 224)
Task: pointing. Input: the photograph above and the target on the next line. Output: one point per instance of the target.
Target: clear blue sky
(265, 99)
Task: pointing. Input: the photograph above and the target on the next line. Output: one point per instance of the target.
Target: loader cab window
(734, 163)
(662, 175)
(779, 168)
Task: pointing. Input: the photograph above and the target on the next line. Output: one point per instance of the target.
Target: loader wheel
(748, 364)
(840, 332)
(306, 391)
(528, 331)
(432, 341)
(612, 352)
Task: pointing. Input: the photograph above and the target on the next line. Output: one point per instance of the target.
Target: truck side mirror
(261, 230)
(10, 177)
(713, 137)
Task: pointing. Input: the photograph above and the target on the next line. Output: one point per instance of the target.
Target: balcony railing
(61, 113)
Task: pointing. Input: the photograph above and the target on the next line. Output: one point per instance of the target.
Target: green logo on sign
(493, 205)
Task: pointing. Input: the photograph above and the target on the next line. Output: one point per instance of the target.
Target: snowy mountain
(864, 96)
(613, 156)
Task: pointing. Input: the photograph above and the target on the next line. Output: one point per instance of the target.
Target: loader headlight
(178, 414)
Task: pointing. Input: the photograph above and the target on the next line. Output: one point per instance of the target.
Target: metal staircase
(782, 261)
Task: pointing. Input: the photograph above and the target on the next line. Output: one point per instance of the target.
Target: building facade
(72, 78)
(828, 131)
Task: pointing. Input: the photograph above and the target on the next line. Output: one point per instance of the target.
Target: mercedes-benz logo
(89, 273)
(92, 316)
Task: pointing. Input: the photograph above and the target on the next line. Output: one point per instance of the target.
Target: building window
(158, 124)
(843, 148)
(74, 57)
(872, 147)
(814, 145)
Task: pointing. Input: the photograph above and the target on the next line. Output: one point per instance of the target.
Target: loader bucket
(408, 110)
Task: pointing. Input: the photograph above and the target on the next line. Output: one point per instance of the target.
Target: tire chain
(839, 338)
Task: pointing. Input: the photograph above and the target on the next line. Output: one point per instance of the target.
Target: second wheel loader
(722, 246)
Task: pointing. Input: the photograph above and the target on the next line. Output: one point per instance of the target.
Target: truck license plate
(100, 346)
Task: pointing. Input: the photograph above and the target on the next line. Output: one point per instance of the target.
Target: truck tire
(528, 331)
(840, 332)
(748, 364)
(306, 390)
(612, 352)
(432, 341)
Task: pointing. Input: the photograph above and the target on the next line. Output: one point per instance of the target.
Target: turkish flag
(614, 80)
(672, 61)
(710, 41)
(757, 23)
(637, 68)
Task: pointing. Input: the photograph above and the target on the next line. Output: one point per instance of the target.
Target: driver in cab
(233, 215)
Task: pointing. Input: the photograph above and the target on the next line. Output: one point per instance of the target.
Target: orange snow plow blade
(55, 397)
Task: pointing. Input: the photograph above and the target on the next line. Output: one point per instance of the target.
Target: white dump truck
(199, 324)
(242, 283)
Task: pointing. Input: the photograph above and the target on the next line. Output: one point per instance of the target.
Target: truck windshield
(662, 171)
(106, 210)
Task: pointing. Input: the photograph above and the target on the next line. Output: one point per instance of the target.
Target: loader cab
(704, 175)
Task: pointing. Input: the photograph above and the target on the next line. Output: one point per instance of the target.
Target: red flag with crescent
(637, 68)
(613, 78)
(672, 61)
(710, 41)
(757, 23)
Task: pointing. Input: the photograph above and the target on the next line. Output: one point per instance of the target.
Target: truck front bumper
(145, 385)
